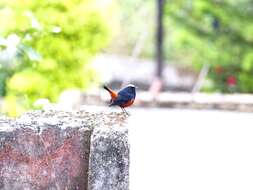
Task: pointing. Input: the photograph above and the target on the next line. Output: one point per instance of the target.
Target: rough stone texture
(45, 150)
(109, 159)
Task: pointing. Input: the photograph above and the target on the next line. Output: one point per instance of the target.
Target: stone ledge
(51, 150)
(233, 102)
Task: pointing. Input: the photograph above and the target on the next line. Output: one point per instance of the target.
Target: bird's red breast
(129, 103)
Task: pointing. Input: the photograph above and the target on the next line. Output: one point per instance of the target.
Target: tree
(217, 33)
(56, 41)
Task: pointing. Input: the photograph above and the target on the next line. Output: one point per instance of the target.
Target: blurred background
(50, 47)
(180, 53)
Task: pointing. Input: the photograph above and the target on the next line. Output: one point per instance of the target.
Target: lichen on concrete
(109, 159)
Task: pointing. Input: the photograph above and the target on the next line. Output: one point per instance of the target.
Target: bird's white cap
(131, 85)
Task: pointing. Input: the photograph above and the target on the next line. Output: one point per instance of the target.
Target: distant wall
(64, 150)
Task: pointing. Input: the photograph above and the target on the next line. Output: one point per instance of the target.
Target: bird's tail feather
(106, 88)
(112, 93)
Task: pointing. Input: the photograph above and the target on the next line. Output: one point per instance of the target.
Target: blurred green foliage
(216, 33)
(56, 40)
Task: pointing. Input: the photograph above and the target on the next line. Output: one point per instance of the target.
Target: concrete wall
(64, 150)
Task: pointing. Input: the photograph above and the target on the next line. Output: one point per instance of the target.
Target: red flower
(231, 81)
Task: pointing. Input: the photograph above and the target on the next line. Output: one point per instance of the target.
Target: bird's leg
(122, 109)
(126, 111)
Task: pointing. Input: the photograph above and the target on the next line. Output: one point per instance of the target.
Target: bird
(124, 98)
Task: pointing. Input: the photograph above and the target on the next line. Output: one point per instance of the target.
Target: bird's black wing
(123, 98)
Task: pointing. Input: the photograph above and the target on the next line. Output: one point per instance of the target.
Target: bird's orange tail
(112, 93)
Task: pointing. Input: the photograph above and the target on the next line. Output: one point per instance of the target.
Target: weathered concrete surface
(109, 159)
(48, 149)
